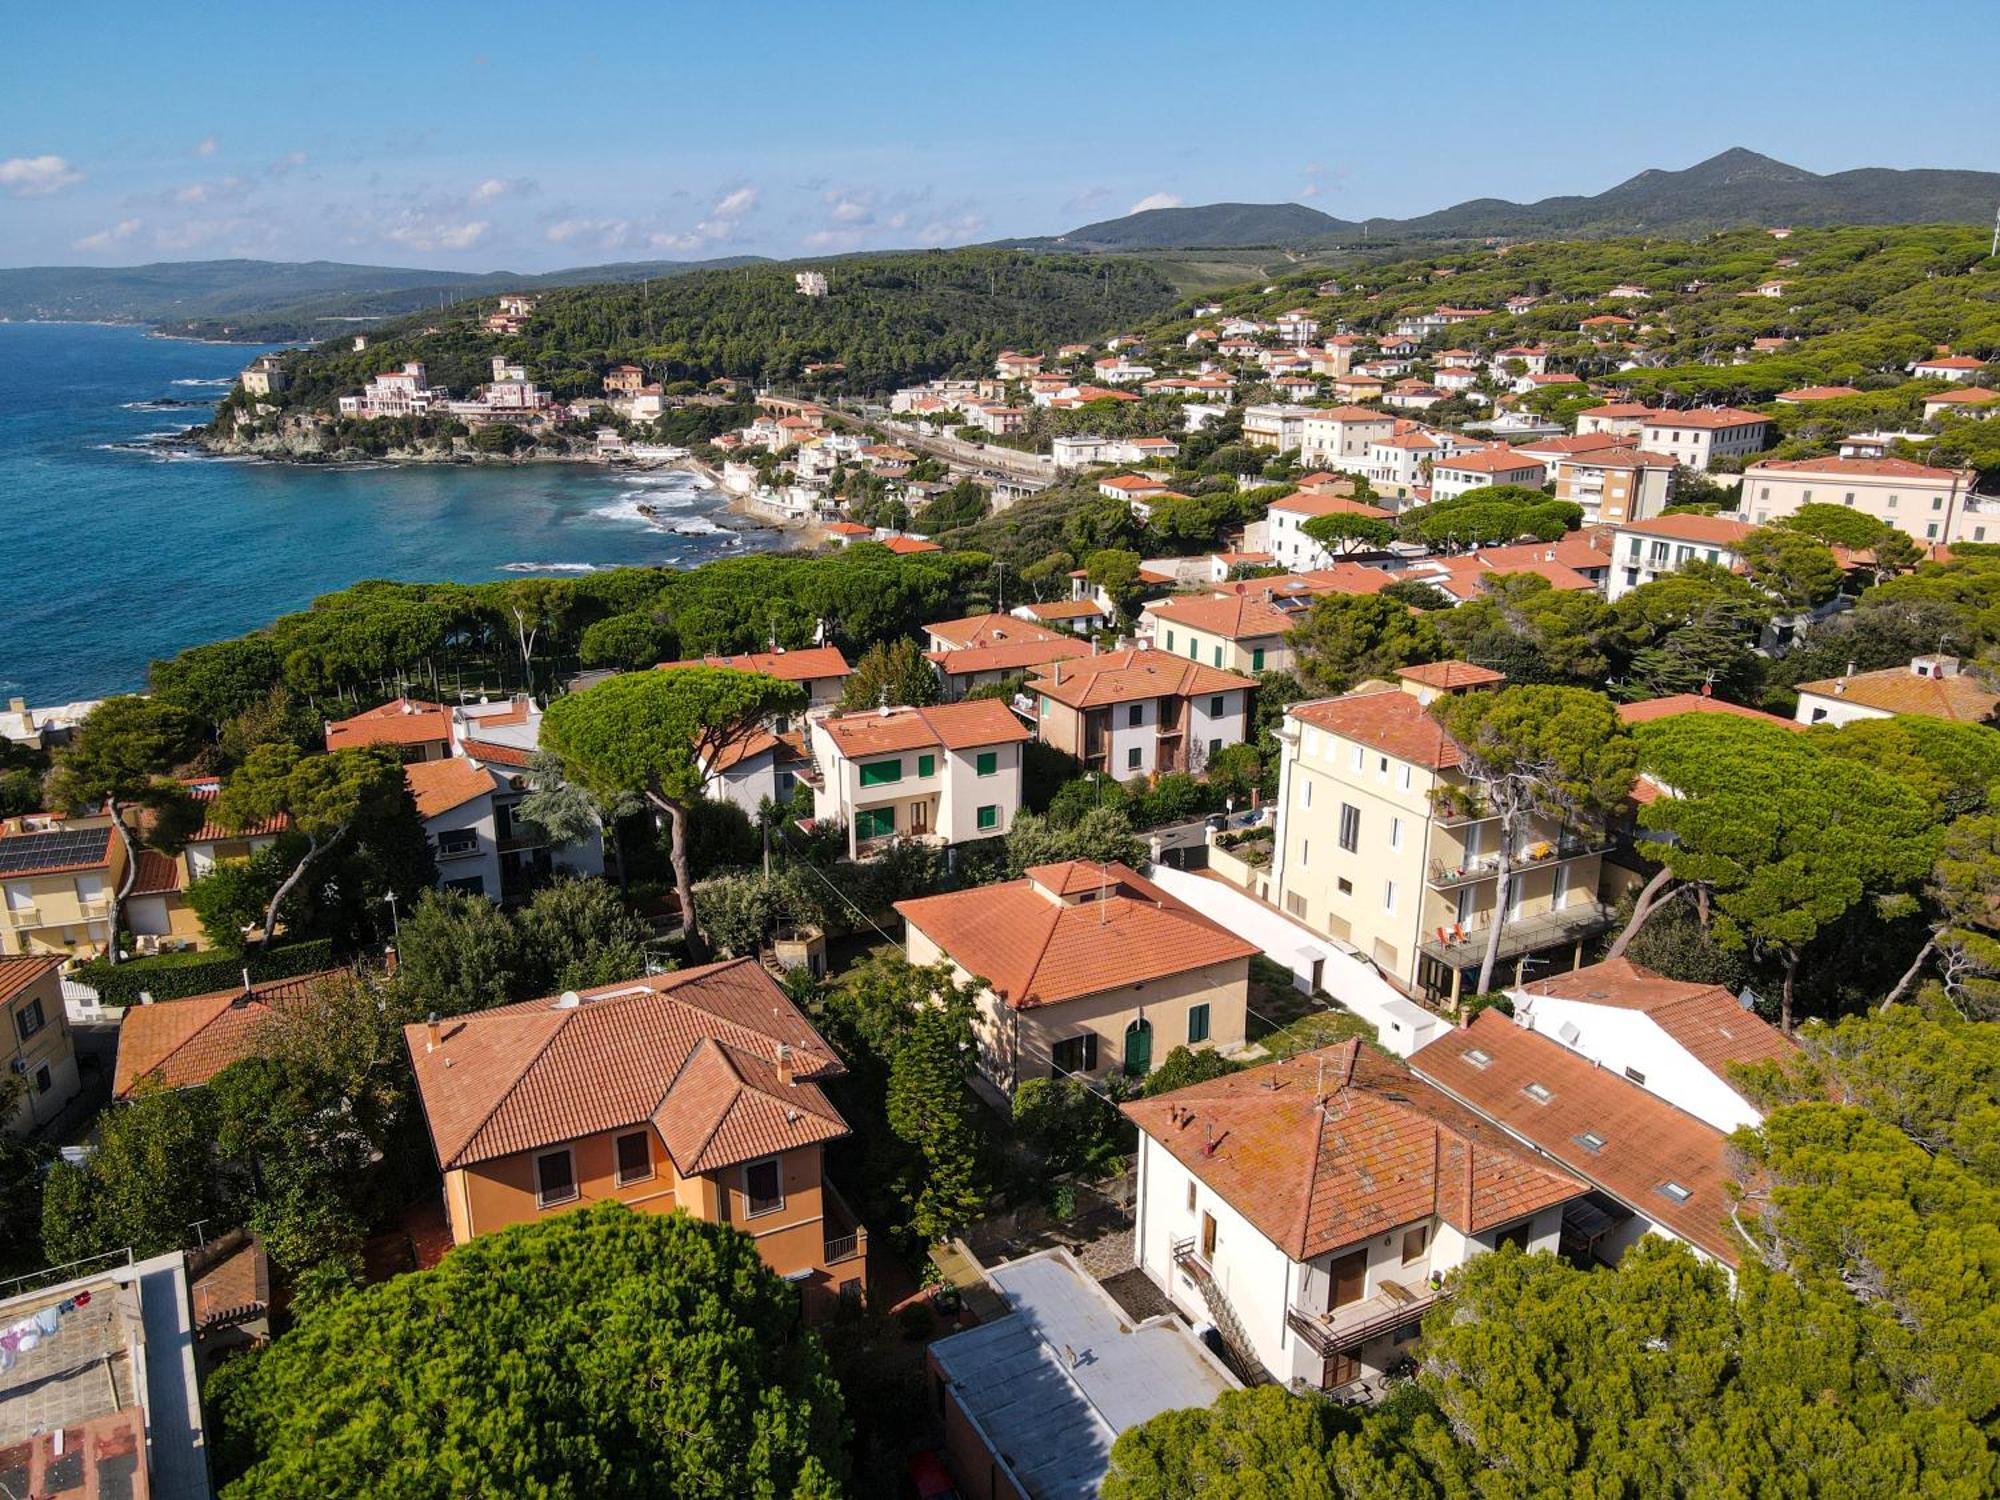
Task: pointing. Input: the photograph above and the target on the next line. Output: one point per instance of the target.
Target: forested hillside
(888, 319)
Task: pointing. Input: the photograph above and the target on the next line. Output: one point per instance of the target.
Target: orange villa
(697, 1090)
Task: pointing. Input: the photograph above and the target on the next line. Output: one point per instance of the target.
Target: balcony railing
(1537, 852)
(1458, 948)
(24, 916)
(1345, 1329)
(846, 1236)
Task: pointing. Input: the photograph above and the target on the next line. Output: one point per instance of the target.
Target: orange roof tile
(19, 970)
(1645, 1143)
(1009, 656)
(1818, 393)
(1033, 948)
(1386, 719)
(1714, 531)
(903, 545)
(1647, 710)
(1704, 1018)
(955, 726)
(206, 789)
(1066, 609)
(1451, 675)
(1487, 461)
(1122, 676)
(491, 753)
(806, 664)
(1245, 613)
(1306, 504)
(1330, 1148)
(400, 721)
(1708, 417)
(695, 1053)
(1898, 690)
(181, 1044)
(437, 786)
(158, 874)
(1878, 468)
(991, 630)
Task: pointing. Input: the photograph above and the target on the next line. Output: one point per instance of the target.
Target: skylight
(1537, 1092)
(1477, 1058)
(1590, 1140)
(1676, 1192)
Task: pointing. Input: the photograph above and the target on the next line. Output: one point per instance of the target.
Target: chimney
(1058, 663)
(433, 1032)
(785, 1075)
(389, 962)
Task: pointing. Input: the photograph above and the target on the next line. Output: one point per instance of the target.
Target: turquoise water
(122, 548)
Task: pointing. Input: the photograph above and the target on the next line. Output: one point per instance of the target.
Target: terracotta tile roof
(991, 630)
(440, 785)
(492, 753)
(1350, 413)
(1646, 1142)
(1010, 656)
(540, 1073)
(1714, 531)
(790, 748)
(1618, 458)
(1331, 1148)
(1065, 609)
(1487, 461)
(1124, 676)
(1704, 1018)
(851, 528)
(1962, 395)
(1386, 719)
(1707, 417)
(181, 1044)
(1950, 362)
(1571, 447)
(1649, 709)
(158, 874)
(56, 851)
(1451, 675)
(1033, 949)
(956, 726)
(803, 665)
(1306, 504)
(1588, 548)
(1132, 484)
(1898, 690)
(1246, 614)
(400, 721)
(1620, 411)
(18, 971)
(1879, 468)
(903, 545)
(1817, 393)
(205, 789)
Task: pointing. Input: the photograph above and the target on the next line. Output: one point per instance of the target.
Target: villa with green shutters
(948, 774)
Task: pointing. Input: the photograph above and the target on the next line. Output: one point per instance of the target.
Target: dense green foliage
(601, 1352)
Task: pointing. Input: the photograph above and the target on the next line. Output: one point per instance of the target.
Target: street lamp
(395, 917)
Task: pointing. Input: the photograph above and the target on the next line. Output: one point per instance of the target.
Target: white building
(810, 283)
(1285, 521)
(948, 774)
(1339, 437)
(1642, 551)
(454, 799)
(1929, 504)
(1266, 1207)
(1276, 425)
(1453, 476)
(395, 393)
(1673, 1039)
(1931, 686)
(1698, 438)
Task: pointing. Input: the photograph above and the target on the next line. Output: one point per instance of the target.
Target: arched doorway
(1139, 1048)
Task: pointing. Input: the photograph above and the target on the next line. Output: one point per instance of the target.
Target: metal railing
(1347, 1328)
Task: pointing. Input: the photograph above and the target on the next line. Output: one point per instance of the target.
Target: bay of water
(121, 549)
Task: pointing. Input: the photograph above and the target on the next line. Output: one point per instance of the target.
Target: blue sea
(123, 547)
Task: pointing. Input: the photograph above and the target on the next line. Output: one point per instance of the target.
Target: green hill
(888, 319)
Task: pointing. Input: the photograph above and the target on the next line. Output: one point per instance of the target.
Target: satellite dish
(569, 1000)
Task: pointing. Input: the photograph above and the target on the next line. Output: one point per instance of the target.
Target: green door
(1139, 1048)
(874, 822)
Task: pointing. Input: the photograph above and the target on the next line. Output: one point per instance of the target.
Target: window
(988, 762)
(1636, 1076)
(1076, 1054)
(635, 1158)
(1170, 640)
(989, 816)
(926, 765)
(1132, 759)
(1135, 716)
(1308, 793)
(1215, 704)
(1539, 1092)
(1478, 1057)
(44, 1079)
(763, 1188)
(1591, 1141)
(1389, 895)
(1345, 885)
(1257, 659)
(1194, 649)
(1676, 1191)
(1415, 1243)
(874, 822)
(1395, 833)
(456, 841)
(1305, 853)
(472, 885)
(29, 1019)
(1215, 746)
(1295, 904)
(881, 772)
(1197, 1023)
(555, 1178)
(1350, 827)
(1216, 655)
(1190, 1207)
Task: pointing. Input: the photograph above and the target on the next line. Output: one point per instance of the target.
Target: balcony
(1392, 1306)
(457, 848)
(846, 1235)
(24, 916)
(1539, 852)
(1457, 949)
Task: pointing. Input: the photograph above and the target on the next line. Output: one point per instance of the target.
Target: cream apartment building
(947, 774)
(1698, 438)
(1929, 504)
(1374, 851)
(57, 876)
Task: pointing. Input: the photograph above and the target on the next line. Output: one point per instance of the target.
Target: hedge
(173, 976)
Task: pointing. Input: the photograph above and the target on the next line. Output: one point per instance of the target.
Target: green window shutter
(1197, 1023)
(874, 822)
(989, 816)
(882, 772)
(989, 762)
(1170, 640)
(927, 765)
(1218, 656)
(1257, 659)
(1194, 650)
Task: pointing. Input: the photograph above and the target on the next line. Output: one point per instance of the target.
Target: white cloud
(421, 231)
(502, 187)
(956, 229)
(605, 234)
(193, 232)
(1315, 180)
(209, 192)
(1154, 200)
(37, 176)
(735, 205)
(207, 146)
(674, 241)
(104, 239)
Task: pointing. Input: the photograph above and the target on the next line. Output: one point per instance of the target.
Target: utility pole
(1996, 233)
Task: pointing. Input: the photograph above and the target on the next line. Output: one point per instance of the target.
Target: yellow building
(57, 876)
(156, 910)
(1379, 847)
(40, 1050)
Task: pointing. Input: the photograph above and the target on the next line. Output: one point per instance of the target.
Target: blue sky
(527, 137)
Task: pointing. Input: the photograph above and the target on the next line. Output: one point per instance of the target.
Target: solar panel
(66, 847)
